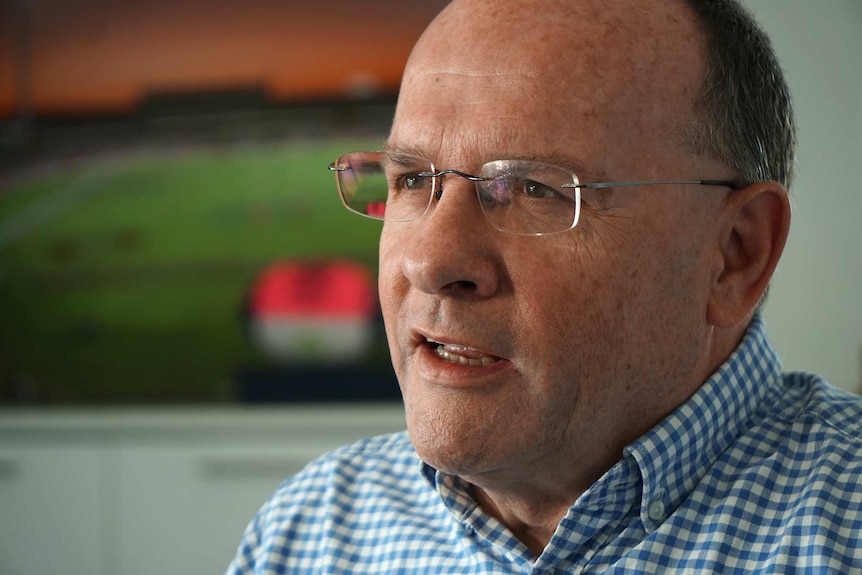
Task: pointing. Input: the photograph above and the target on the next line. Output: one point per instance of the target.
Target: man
(587, 383)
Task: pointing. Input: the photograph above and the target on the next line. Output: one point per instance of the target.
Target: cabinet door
(183, 509)
(51, 510)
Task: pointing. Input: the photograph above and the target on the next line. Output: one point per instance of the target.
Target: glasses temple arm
(604, 185)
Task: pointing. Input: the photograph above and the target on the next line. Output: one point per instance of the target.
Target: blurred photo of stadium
(155, 159)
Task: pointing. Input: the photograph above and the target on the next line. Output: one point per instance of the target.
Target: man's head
(538, 357)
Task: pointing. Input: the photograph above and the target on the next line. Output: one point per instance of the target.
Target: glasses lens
(527, 198)
(518, 197)
(362, 183)
(373, 185)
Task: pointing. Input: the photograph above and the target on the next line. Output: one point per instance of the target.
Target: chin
(453, 444)
(453, 459)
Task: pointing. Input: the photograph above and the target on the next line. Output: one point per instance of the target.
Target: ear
(755, 224)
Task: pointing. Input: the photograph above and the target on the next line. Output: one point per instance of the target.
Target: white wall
(814, 311)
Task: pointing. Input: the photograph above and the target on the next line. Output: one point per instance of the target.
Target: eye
(412, 182)
(536, 190)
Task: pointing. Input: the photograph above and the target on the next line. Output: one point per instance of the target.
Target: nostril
(462, 286)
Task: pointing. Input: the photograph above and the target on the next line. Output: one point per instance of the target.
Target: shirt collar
(675, 455)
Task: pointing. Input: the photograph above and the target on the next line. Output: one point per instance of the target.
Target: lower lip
(448, 374)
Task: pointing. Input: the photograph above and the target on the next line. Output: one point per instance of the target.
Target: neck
(531, 505)
(532, 520)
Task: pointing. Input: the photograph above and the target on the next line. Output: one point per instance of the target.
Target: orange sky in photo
(105, 55)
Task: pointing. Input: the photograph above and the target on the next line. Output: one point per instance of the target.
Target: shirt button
(656, 511)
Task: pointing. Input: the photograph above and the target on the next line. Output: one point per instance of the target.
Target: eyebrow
(583, 172)
(403, 154)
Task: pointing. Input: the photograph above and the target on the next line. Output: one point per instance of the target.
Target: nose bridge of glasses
(464, 175)
(439, 177)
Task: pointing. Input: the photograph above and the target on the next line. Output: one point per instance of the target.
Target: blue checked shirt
(758, 472)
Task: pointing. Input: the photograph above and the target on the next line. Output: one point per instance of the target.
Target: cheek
(389, 275)
(575, 313)
(551, 301)
(392, 286)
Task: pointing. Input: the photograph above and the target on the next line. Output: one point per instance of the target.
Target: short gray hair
(745, 115)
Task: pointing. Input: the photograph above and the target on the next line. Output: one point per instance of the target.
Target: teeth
(461, 360)
(456, 354)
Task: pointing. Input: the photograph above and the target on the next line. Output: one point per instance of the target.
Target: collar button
(656, 510)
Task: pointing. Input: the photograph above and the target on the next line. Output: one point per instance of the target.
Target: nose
(452, 250)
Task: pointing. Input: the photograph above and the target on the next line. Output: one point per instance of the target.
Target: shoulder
(809, 440)
(818, 410)
(791, 480)
(363, 497)
(363, 465)
(345, 501)
(358, 482)
(393, 449)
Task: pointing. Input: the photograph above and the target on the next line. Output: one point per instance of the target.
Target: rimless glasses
(517, 196)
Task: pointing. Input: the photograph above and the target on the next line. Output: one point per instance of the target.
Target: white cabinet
(51, 510)
(183, 509)
(163, 491)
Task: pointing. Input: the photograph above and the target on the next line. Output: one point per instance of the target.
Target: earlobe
(756, 221)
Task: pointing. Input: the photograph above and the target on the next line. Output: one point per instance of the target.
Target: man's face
(522, 354)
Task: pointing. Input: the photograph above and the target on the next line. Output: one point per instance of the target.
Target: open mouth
(460, 354)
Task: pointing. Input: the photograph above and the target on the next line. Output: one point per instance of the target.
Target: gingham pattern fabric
(758, 472)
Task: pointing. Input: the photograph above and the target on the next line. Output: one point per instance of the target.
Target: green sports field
(122, 279)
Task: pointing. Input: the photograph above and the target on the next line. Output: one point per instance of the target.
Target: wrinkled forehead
(589, 63)
(643, 43)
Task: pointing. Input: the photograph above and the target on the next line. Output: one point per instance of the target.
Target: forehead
(504, 77)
